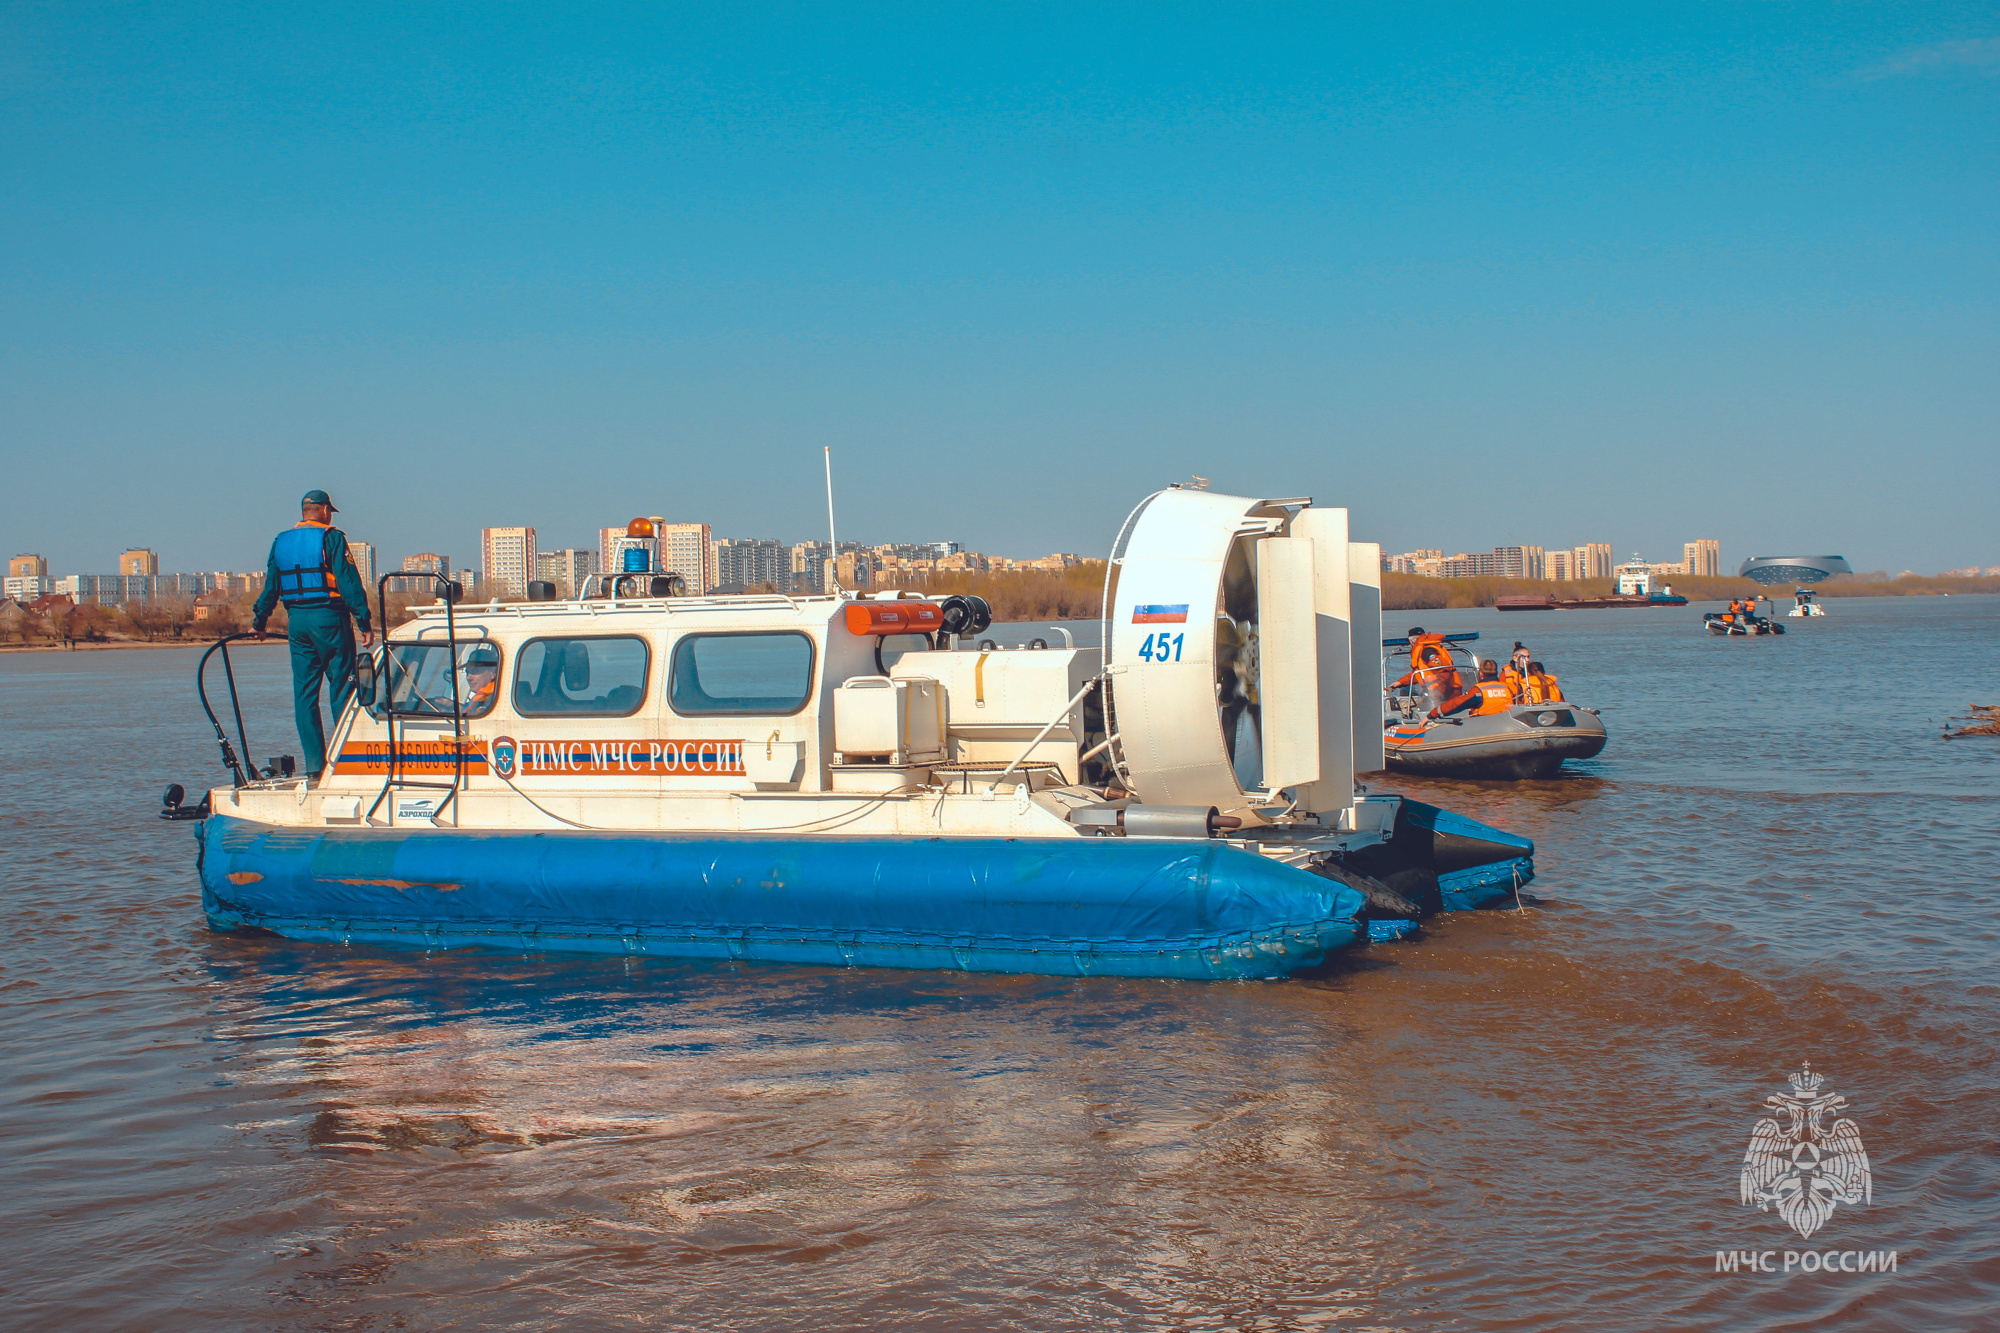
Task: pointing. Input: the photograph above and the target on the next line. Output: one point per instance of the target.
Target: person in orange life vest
(478, 684)
(312, 572)
(1542, 687)
(1495, 695)
(482, 682)
(1431, 667)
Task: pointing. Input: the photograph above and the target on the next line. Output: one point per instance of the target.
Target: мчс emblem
(1804, 1167)
(503, 756)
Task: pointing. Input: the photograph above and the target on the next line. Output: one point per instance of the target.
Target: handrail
(449, 593)
(229, 758)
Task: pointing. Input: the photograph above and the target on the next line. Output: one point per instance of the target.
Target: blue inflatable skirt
(1062, 907)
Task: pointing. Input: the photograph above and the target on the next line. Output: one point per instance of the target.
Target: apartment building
(809, 567)
(507, 560)
(746, 562)
(855, 570)
(27, 566)
(568, 569)
(364, 563)
(1520, 562)
(1702, 556)
(687, 549)
(139, 560)
(1591, 561)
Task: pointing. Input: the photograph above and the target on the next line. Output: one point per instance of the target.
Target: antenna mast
(832, 540)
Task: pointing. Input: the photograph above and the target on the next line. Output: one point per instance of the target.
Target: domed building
(1793, 569)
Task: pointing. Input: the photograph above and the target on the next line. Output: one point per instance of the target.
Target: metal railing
(383, 686)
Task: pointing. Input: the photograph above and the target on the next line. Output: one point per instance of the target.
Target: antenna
(832, 540)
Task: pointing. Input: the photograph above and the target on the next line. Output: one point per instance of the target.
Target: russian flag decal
(1160, 615)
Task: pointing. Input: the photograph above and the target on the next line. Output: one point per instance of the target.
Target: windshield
(420, 678)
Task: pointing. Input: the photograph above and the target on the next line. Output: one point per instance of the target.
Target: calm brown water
(1522, 1121)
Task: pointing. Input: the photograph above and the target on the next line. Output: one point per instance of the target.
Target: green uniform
(322, 642)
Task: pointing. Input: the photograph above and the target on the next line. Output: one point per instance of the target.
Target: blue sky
(1485, 274)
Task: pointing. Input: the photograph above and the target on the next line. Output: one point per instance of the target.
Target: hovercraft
(841, 780)
(1498, 739)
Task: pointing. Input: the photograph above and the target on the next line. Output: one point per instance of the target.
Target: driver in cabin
(478, 684)
(1430, 665)
(482, 682)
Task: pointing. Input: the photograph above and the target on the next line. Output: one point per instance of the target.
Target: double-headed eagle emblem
(1804, 1168)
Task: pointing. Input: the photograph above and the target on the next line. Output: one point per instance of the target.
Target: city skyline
(528, 540)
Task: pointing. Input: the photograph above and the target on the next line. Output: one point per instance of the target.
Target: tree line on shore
(1075, 593)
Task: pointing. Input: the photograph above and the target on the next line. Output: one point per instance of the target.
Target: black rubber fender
(1384, 902)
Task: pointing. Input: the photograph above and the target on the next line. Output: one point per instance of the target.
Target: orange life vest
(1495, 697)
(1430, 663)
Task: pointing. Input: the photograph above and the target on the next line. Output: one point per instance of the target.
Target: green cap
(318, 498)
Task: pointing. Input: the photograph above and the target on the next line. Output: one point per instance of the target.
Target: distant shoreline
(121, 645)
(278, 636)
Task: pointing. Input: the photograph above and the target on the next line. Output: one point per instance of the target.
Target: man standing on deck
(312, 573)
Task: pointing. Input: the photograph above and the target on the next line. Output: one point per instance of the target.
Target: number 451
(1162, 647)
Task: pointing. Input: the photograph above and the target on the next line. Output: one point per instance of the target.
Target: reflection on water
(1523, 1119)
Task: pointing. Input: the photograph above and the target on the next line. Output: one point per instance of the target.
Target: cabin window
(741, 673)
(595, 677)
(420, 678)
(892, 647)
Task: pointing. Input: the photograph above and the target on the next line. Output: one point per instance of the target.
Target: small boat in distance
(1805, 603)
(1741, 621)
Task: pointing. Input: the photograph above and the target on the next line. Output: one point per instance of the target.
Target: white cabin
(1242, 633)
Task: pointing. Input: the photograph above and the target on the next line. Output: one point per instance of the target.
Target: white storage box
(891, 721)
(773, 765)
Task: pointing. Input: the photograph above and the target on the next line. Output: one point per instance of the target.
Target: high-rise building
(364, 563)
(569, 569)
(138, 560)
(749, 562)
(809, 570)
(1591, 561)
(27, 567)
(507, 560)
(855, 570)
(1520, 562)
(687, 550)
(1703, 557)
(1562, 566)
